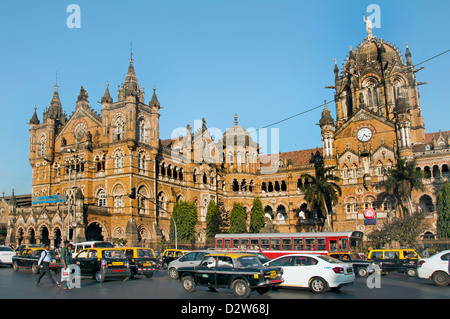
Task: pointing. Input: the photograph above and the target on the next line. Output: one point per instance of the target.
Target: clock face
(364, 134)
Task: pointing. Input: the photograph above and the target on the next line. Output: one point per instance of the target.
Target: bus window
(254, 244)
(321, 244)
(343, 243)
(265, 244)
(235, 243)
(333, 244)
(219, 244)
(244, 243)
(298, 244)
(275, 244)
(310, 244)
(227, 243)
(286, 244)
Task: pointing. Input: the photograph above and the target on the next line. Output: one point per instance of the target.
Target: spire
(408, 56)
(154, 101)
(54, 111)
(326, 116)
(131, 82)
(107, 97)
(34, 118)
(235, 119)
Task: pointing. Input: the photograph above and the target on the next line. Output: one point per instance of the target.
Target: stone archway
(94, 231)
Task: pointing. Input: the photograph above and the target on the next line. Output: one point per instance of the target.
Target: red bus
(278, 244)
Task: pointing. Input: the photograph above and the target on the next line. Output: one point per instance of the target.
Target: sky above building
(265, 60)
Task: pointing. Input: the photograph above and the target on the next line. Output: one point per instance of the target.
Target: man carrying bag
(66, 260)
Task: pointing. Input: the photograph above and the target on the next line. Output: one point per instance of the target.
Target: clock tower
(378, 121)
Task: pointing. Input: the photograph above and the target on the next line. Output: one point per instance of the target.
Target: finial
(154, 88)
(131, 52)
(235, 119)
(56, 81)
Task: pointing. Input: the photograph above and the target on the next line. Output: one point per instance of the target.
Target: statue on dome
(368, 23)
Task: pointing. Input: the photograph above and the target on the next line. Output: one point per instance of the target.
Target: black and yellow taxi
(360, 266)
(102, 263)
(395, 260)
(237, 271)
(28, 259)
(142, 261)
(171, 254)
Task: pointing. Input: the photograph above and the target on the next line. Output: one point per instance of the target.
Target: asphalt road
(162, 292)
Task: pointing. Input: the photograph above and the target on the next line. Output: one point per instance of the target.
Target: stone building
(97, 159)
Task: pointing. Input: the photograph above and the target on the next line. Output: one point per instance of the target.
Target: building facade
(98, 159)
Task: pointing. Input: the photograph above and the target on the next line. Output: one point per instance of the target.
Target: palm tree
(401, 181)
(321, 191)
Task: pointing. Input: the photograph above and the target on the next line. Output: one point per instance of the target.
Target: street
(20, 285)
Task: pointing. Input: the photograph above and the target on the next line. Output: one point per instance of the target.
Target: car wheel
(100, 276)
(240, 288)
(188, 283)
(440, 279)
(362, 272)
(411, 272)
(318, 285)
(15, 266)
(34, 268)
(173, 273)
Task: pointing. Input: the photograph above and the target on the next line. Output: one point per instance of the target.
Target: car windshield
(142, 253)
(113, 254)
(5, 249)
(103, 245)
(329, 259)
(356, 257)
(248, 261)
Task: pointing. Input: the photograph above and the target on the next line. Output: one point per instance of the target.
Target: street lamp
(132, 195)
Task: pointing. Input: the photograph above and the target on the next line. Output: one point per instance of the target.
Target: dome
(237, 136)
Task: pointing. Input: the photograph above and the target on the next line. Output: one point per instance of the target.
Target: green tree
(185, 216)
(256, 216)
(238, 219)
(401, 180)
(213, 220)
(443, 222)
(405, 230)
(321, 191)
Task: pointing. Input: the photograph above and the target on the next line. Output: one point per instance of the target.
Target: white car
(435, 268)
(192, 258)
(6, 255)
(317, 272)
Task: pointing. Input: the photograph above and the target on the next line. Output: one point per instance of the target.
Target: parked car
(240, 272)
(318, 272)
(360, 266)
(395, 260)
(6, 254)
(142, 261)
(435, 268)
(102, 263)
(192, 258)
(29, 257)
(171, 254)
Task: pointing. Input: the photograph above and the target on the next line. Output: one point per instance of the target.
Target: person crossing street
(45, 260)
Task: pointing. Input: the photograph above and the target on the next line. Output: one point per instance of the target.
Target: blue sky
(263, 59)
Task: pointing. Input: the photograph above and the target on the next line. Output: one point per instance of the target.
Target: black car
(360, 266)
(29, 257)
(102, 263)
(240, 272)
(142, 261)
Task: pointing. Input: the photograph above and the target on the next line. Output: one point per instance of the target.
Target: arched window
(141, 131)
(101, 198)
(42, 148)
(120, 129)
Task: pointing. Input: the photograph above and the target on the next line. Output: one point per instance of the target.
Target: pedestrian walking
(66, 260)
(426, 253)
(45, 260)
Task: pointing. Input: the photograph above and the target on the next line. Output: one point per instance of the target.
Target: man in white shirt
(45, 260)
